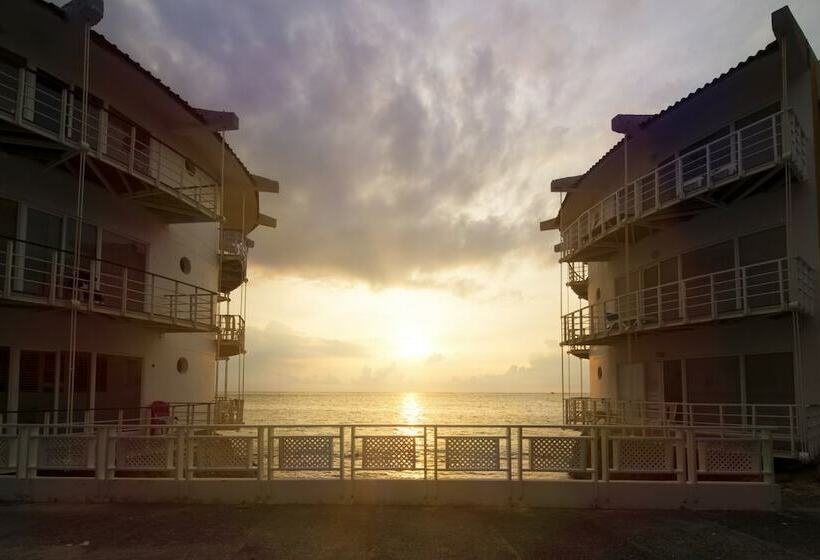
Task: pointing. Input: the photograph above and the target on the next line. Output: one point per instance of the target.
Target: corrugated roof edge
(768, 49)
(100, 39)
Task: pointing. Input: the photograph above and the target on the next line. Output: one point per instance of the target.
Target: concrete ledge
(499, 493)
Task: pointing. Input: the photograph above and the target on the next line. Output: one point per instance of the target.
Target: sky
(414, 142)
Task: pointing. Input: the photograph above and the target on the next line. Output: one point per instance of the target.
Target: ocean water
(403, 408)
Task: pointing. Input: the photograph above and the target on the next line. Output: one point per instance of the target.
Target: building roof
(768, 49)
(103, 42)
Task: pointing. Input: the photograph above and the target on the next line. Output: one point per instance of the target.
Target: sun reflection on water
(411, 411)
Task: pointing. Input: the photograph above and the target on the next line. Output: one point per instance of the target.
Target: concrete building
(692, 246)
(152, 307)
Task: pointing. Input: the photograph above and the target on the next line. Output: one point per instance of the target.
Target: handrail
(43, 276)
(104, 261)
(750, 289)
(727, 158)
(153, 161)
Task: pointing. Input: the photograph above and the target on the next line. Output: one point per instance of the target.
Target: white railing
(111, 139)
(229, 410)
(405, 452)
(182, 412)
(780, 420)
(33, 273)
(231, 329)
(736, 155)
(234, 243)
(762, 288)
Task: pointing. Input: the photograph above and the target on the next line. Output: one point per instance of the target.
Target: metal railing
(390, 451)
(736, 155)
(231, 329)
(33, 273)
(233, 243)
(762, 288)
(181, 412)
(55, 113)
(229, 410)
(578, 272)
(780, 420)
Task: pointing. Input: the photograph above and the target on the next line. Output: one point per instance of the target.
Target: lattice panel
(5, 452)
(726, 456)
(467, 453)
(145, 453)
(388, 453)
(558, 454)
(223, 452)
(305, 453)
(641, 455)
(64, 452)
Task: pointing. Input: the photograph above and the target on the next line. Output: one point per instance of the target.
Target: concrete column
(13, 401)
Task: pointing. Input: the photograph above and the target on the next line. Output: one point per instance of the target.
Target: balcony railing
(763, 288)
(781, 420)
(55, 113)
(234, 243)
(231, 335)
(739, 154)
(40, 275)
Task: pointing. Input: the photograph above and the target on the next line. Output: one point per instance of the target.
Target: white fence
(33, 273)
(762, 288)
(741, 153)
(779, 420)
(413, 452)
(55, 111)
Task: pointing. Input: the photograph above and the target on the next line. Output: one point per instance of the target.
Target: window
(713, 380)
(48, 102)
(8, 218)
(119, 253)
(5, 364)
(43, 236)
(711, 279)
(95, 106)
(9, 83)
(117, 386)
(672, 381)
(770, 378)
(762, 246)
(119, 138)
(766, 278)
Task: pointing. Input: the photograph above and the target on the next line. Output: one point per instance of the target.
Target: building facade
(141, 303)
(693, 248)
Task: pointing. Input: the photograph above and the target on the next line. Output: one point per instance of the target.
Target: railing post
(435, 452)
(604, 439)
(175, 302)
(180, 460)
(691, 459)
(260, 447)
(151, 297)
(52, 279)
(22, 451)
(680, 455)
(189, 454)
(768, 457)
(708, 167)
(132, 149)
(7, 268)
(521, 453)
(101, 462)
(509, 454)
(594, 447)
(791, 430)
(713, 303)
(342, 454)
(352, 452)
(124, 300)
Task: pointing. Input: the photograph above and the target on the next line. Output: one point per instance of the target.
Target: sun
(413, 345)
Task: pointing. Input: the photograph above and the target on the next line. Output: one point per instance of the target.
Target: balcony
(780, 420)
(231, 336)
(579, 279)
(32, 274)
(43, 121)
(234, 258)
(765, 288)
(598, 232)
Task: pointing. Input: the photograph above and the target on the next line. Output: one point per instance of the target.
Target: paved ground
(116, 531)
(201, 532)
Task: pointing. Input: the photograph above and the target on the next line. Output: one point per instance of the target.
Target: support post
(260, 452)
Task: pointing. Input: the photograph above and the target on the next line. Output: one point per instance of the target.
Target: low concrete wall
(551, 493)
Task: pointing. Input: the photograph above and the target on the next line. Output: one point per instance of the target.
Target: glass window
(762, 246)
(8, 218)
(672, 381)
(43, 233)
(9, 85)
(4, 376)
(119, 138)
(48, 102)
(117, 387)
(713, 380)
(770, 378)
(95, 106)
(706, 260)
(37, 374)
(119, 253)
